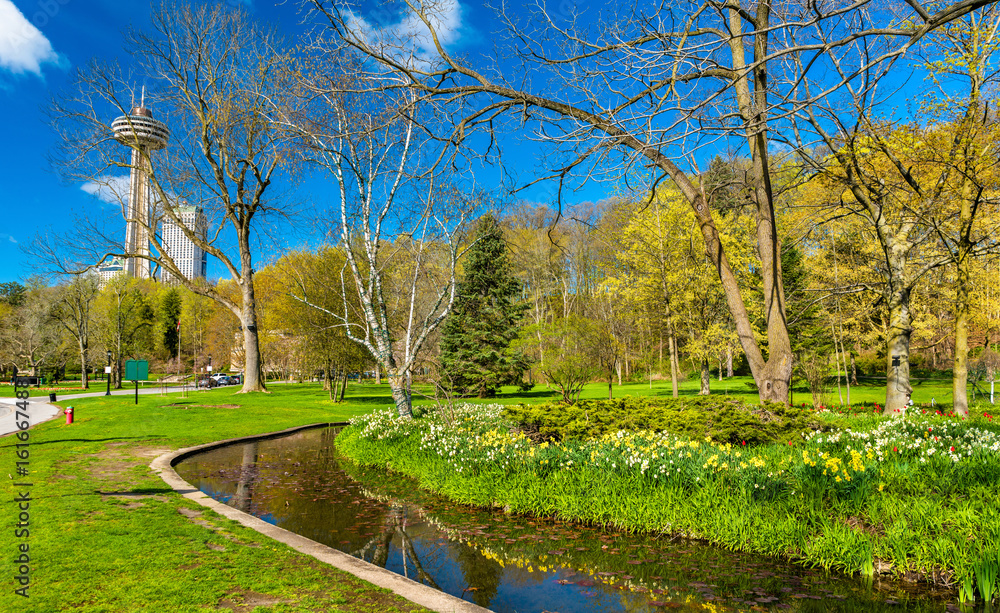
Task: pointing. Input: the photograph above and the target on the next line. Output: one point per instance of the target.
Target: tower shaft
(137, 221)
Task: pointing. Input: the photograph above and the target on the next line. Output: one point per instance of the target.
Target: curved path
(418, 593)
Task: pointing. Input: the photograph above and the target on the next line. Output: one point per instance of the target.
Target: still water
(508, 563)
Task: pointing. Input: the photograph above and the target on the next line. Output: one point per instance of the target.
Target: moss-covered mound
(724, 419)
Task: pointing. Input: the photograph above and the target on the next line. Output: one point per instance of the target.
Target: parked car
(207, 382)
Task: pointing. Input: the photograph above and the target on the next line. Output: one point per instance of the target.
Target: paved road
(40, 410)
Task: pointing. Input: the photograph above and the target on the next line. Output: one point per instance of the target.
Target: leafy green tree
(125, 321)
(570, 349)
(475, 341)
(13, 293)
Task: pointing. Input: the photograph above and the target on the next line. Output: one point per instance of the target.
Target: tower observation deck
(143, 134)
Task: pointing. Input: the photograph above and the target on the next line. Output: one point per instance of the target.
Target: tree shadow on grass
(138, 492)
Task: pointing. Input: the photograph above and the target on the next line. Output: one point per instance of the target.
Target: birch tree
(394, 212)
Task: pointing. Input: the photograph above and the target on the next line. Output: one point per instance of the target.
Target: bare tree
(28, 333)
(648, 85)
(212, 74)
(73, 310)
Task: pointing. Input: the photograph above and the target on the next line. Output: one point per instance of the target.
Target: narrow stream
(508, 563)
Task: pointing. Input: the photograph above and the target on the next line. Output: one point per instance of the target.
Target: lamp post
(107, 374)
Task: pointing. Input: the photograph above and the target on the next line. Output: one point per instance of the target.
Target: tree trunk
(674, 366)
(847, 379)
(253, 367)
(816, 396)
(397, 384)
(960, 374)
(720, 368)
(897, 388)
(706, 378)
(328, 380)
(729, 362)
(660, 363)
(84, 380)
(343, 385)
(854, 371)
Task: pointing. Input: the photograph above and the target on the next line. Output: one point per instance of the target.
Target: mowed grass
(108, 535)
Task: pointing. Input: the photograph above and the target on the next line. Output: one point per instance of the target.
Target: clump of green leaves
(722, 419)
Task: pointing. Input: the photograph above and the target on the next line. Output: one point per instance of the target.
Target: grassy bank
(106, 534)
(912, 498)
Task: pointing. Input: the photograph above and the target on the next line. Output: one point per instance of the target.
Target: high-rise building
(191, 260)
(109, 270)
(139, 131)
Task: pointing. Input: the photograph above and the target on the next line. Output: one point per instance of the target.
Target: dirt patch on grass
(195, 517)
(112, 471)
(132, 496)
(248, 601)
(859, 524)
(148, 452)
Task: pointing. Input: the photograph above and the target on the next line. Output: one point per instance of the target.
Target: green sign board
(136, 370)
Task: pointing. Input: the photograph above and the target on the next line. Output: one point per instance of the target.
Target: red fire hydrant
(69, 415)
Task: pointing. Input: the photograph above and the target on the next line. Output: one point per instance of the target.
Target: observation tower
(143, 134)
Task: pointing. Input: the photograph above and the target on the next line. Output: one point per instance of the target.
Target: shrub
(723, 419)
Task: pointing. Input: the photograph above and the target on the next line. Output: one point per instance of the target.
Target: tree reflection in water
(379, 545)
(243, 498)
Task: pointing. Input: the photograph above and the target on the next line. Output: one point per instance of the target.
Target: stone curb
(418, 593)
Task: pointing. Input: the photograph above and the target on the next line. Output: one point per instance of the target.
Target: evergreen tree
(724, 186)
(808, 324)
(475, 339)
(170, 314)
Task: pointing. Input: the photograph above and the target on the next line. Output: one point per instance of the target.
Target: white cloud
(23, 47)
(407, 33)
(113, 190)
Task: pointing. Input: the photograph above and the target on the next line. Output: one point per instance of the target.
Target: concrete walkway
(39, 408)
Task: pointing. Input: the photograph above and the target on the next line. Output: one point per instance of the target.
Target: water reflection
(511, 563)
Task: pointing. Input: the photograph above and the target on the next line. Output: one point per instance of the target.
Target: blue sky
(41, 43)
